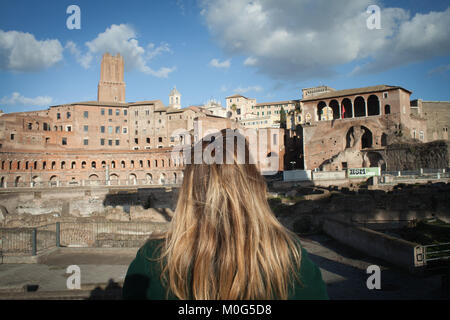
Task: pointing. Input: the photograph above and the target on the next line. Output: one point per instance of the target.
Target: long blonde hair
(224, 242)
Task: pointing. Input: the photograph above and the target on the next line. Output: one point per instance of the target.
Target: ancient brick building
(108, 141)
(437, 116)
(350, 128)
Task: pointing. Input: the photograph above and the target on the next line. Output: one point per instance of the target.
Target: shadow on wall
(144, 197)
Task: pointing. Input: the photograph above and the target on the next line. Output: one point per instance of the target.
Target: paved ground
(103, 271)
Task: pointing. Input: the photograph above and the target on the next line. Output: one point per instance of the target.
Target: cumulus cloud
(440, 70)
(21, 51)
(242, 90)
(250, 61)
(16, 99)
(217, 64)
(122, 39)
(311, 38)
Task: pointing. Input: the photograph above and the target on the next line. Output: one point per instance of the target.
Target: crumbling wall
(413, 156)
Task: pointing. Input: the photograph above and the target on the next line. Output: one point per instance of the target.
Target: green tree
(282, 118)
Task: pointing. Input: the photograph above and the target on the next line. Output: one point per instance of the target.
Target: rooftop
(349, 92)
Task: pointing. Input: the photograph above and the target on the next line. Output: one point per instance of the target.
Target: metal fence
(394, 177)
(31, 241)
(16, 240)
(437, 252)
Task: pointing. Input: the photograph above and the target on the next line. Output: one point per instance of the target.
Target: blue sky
(268, 50)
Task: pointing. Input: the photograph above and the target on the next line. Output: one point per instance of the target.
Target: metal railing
(31, 241)
(437, 252)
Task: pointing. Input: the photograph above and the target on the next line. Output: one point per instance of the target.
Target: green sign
(363, 172)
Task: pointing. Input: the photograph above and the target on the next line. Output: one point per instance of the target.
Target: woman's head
(224, 242)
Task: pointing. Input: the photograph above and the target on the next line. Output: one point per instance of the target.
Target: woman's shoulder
(151, 248)
(311, 286)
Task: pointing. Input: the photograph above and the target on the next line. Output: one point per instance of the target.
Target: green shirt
(143, 277)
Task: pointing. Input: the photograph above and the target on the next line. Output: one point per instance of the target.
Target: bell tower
(111, 87)
(175, 98)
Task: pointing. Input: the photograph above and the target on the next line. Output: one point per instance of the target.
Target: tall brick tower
(111, 87)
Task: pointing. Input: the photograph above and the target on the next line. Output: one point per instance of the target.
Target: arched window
(162, 163)
(73, 165)
(360, 107)
(83, 165)
(93, 164)
(141, 163)
(35, 165)
(53, 165)
(148, 163)
(26, 165)
(44, 165)
(373, 106)
(334, 105)
(132, 163)
(346, 108)
(113, 164)
(366, 139)
(156, 163)
(18, 165)
(63, 164)
(320, 106)
(103, 164)
(122, 164)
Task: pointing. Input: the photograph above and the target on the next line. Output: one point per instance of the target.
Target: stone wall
(108, 204)
(414, 156)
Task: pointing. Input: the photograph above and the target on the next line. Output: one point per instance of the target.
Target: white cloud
(250, 61)
(217, 64)
(83, 60)
(242, 90)
(16, 99)
(310, 38)
(21, 51)
(122, 39)
(440, 70)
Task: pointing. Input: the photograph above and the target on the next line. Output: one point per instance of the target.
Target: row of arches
(350, 109)
(7, 165)
(115, 178)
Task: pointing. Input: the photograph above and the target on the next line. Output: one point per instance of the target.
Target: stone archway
(366, 139)
(162, 178)
(347, 108)
(149, 178)
(36, 180)
(327, 114)
(320, 107)
(94, 180)
(113, 179)
(360, 107)
(54, 181)
(373, 105)
(375, 159)
(334, 105)
(132, 179)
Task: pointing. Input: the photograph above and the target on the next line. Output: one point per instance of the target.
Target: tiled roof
(349, 92)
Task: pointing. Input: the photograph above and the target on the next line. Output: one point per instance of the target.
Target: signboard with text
(363, 172)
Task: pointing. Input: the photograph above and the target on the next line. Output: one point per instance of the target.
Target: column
(365, 106)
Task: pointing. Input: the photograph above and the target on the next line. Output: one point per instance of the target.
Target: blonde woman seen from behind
(224, 242)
